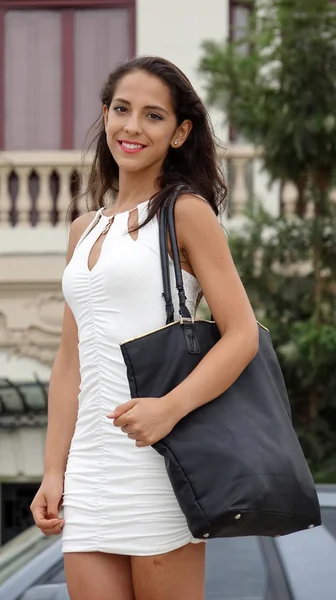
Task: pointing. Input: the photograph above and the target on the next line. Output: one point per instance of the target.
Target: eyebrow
(154, 107)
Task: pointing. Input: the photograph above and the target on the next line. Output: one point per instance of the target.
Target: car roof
(300, 566)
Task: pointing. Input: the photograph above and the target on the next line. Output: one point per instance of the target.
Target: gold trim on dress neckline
(124, 212)
(108, 225)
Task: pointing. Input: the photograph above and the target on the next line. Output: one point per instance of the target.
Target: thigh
(177, 575)
(98, 576)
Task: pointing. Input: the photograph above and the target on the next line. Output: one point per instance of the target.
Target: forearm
(62, 413)
(216, 372)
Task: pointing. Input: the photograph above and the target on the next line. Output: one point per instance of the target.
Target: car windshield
(329, 520)
(227, 560)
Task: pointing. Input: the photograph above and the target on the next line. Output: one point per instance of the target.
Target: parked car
(301, 566)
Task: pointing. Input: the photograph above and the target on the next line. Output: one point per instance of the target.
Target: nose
(133, 126)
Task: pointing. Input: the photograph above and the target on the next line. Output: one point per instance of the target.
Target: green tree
(274, 258)
(281, 95)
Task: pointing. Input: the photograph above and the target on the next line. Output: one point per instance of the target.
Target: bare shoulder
(77, 228)
(194, 218)
(79, 225)
(203, 241)
(188, 204)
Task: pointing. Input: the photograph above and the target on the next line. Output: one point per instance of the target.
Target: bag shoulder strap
(184, 311)
(165, 265)
(167, 222)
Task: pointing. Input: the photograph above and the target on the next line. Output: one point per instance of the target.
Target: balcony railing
(37, 188)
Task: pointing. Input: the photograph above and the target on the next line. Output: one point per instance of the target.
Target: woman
(124, 535)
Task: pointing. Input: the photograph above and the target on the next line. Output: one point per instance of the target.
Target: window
(236, 569)
(239, 16)
(54, 56)
(32, 82)
(15, 512)
(329, 519)
(100, 42)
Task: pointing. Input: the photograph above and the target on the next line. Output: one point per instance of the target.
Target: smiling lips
(131, 147)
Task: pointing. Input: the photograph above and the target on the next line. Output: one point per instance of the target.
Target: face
(141, 124)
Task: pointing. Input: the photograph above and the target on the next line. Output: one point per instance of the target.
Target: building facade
(54, 56)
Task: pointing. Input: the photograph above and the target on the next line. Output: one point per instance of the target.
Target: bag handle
(184, 311)
(167, 222)
(165, 264)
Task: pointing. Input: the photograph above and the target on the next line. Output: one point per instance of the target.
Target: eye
(155, 117)
(119, 109)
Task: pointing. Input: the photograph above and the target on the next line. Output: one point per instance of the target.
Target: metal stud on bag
(237, 516)
(206, 535)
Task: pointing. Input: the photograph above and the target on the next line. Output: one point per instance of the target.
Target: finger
(127, 429)
(47, 523)
(132, 436)
(53, 508)
(39, 513)
(122, 408)
(141, 444)
(40, 516)
(43, 521)
(51, 530)
(54, 531)
(122, 421)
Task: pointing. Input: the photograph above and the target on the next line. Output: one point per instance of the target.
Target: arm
(65, 379)
(62, 411)
(204, 248)
(204, 245)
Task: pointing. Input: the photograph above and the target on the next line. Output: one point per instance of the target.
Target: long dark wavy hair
(194, 164)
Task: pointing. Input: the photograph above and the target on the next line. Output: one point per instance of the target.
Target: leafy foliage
(277, 87)
(281, 94)
(275, 260)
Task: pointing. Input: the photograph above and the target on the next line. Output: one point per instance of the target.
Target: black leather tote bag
(235, 464)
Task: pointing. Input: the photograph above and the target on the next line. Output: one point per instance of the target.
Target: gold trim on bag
(164, 327)
(180, 322)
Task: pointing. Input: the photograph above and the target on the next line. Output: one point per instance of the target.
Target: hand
(46, 505)
(145, 420)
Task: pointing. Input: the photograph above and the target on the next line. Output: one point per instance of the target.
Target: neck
(135, 188)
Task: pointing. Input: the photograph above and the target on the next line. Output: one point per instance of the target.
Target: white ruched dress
(117, 497)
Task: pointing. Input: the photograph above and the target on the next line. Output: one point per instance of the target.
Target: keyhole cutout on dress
(96, 249)
(133, 221)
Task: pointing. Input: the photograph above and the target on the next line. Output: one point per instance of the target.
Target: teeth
(131, 146)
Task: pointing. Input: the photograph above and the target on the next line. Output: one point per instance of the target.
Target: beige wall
(175, 30)
(31, 305)
(22, 454)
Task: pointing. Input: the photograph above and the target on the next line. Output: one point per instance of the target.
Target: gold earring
(176, 142)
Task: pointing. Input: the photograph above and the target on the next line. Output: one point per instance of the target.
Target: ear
(181, 134)
(105, 115)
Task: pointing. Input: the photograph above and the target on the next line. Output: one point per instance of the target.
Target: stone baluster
(81, 202)
(23, 201)
(239, 195)
(332, 195)
(44, 200)
(310, 210)
(5, 199)
(64, 196)
(289, 197)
